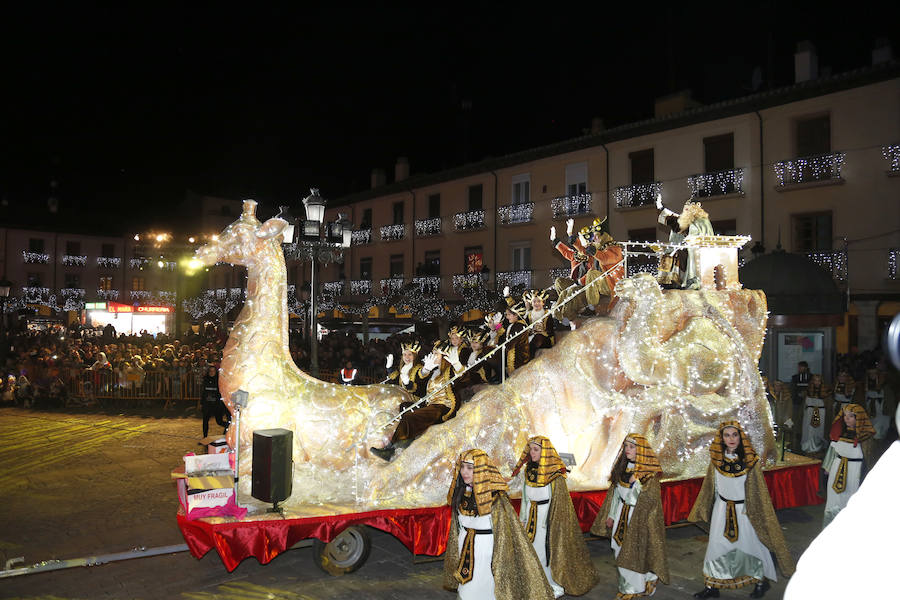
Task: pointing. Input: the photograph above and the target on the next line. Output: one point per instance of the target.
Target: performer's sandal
(760, 589)
(707, 592)
(385, 453)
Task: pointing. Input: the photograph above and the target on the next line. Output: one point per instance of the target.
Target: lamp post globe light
(317, 246)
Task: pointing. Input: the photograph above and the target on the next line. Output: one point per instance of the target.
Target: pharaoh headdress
(550, 465)
(717, 451)
(646, 464)
(864, 429)
(486, 480)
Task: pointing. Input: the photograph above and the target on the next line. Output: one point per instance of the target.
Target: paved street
(89, 483)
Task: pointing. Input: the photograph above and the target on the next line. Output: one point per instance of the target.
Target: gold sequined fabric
(717, 454)
(514, 564)
(550, 465)
(570, 559)
(644, 548)
(486, 481)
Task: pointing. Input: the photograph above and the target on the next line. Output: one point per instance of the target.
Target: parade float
(672, 363)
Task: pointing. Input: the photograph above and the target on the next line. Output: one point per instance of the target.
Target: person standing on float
(847, 457)
(550, 523)
(743, 529)
(632, 517)
(488, 555)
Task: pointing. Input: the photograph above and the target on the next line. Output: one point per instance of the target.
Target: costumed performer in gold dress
(848, 456)
(409, 375)
(550, 522)
(632, 517)
(743, 529)
(517, 350)
(488, 555)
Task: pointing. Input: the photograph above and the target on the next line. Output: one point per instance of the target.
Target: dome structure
(794, 284)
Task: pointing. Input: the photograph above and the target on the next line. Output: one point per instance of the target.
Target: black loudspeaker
(272, 465)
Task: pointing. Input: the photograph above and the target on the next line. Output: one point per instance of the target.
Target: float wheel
(347, 552)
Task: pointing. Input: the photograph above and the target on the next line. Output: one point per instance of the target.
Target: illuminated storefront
(130, 319)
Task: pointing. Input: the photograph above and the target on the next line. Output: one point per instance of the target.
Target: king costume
(550, 523)
(488, 555)
(638, 534)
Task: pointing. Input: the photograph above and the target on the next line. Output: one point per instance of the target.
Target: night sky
(128, 108)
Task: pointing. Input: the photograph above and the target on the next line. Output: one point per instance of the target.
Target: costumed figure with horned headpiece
(550, 522)
(743, 530)
(488, 555)
(632, 517)
(518, 352)
(849, 453)
(542, 334)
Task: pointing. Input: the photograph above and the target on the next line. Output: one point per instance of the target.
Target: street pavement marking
(31, 446)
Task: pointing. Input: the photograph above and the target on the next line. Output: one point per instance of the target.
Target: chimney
(882, 52)
(674, 103)
(806, 63)
(378, 178)
(401, 169)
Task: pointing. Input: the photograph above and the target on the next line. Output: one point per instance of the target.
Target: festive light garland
(35, 258)
(334, 287)
(138, 263)
(140, 294)
(514, 279)
(361, 237)
(571, 206)
(641, 194)
(390, 233)
(426, 227)
(463, 281)
(835, 262)
(166, 297)
(391, 285)
(729, 181)
(109, 262)
(516, 213)
(892, 263)
(72, 292)
(71, 260)
(108, 294)
(428, 285)
(34, 294)
(557, 272)
(468, 221)
(361, 287)
(810, 168)
(643, 265)
(891, 152)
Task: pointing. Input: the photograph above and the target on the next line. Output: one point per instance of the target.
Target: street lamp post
(5, 286)
(316, 245)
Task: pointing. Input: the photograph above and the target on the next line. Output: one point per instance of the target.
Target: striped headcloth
(550, 466)
(646, 464)
(716, 449)
(864, 429)
(486, 481)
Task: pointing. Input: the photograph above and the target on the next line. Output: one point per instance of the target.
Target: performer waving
(410, 374)
(743, 528)
(632, 517)
(550, 522)
(488, 555)
(542, 333)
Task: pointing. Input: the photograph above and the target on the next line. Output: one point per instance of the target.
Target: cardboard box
(209, 498)
(195, 463)
(210, 481)
(215, 444)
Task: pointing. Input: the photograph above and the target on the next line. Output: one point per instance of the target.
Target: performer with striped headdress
(550, 522)
(850, 452)
(488, 555)
(743, 528)
(632, 517)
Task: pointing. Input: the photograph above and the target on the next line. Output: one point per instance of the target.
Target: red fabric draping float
(424, 530)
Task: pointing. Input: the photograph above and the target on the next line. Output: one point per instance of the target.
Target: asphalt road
(77, 484)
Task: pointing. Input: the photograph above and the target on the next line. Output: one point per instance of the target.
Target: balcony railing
(821, 167)
(893, 254)
(640, 194)
(108, 294)
(361, 287)
(138, 263)
(469, 221)
(643, 264)
(34, 294)
(427, 227)
(428, 285)
(166, 296)
(391, 285)
(334, 287)
(516, 213)
(571, 206)
(109, 262)
(465, 281)
(390, 233)
(140, 294)
(514, 279)
(557, 272)
(891, 153)
(74, 260)
(717, 183)
(72, 292)
(361, 237)
(833, 261)
(35, 258)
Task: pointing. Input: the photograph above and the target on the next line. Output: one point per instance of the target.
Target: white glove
(506, 291)
(570, 225)
(389, 362)
(552, 233)
(431, 362)
(659, 202)
(452, 356)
